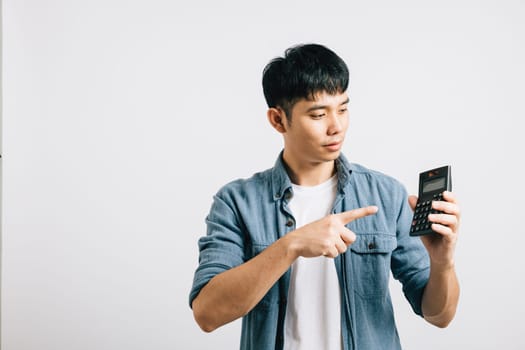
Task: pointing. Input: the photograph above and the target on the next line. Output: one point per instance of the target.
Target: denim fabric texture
(248, 215)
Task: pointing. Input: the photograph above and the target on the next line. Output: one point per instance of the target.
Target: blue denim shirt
(249, 215)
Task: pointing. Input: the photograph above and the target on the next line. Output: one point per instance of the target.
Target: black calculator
(432, 183)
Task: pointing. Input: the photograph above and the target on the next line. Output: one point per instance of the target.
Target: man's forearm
(235, 292)
(441, 295)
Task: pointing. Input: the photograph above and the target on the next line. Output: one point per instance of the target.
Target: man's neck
(305, 173)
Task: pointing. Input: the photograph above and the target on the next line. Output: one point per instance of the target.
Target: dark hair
(304, 71)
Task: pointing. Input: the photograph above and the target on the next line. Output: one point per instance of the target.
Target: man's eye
(343, 110)
(318, 116)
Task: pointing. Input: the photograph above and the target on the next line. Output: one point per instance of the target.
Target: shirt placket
(286, 224)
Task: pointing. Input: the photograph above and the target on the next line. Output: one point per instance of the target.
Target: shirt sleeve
(410, 262)
(222, 248)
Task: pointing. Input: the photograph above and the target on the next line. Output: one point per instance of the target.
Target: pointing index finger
(351, 215)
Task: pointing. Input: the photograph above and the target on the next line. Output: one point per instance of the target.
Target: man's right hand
(328, 236)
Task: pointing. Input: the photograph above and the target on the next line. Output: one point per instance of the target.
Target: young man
(303, 251)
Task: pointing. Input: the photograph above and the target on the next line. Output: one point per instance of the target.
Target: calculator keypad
(420, 221)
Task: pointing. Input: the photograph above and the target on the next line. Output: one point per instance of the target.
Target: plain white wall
(121, 119)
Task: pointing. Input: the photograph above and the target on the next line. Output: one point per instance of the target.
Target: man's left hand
(442, 243)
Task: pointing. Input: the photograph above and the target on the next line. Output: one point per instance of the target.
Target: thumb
(412, 200)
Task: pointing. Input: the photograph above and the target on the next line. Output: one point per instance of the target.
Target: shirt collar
(281, 182)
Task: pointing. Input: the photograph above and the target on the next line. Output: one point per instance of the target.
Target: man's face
(317, 129)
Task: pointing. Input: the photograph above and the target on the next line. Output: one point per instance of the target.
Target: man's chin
(330, 157)
(334, 154)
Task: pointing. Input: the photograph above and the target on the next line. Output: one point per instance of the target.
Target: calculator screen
(434, 184)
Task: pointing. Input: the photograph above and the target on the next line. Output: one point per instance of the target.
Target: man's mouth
(333, 146)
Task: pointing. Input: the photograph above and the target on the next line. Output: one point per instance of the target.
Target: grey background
(121, 119)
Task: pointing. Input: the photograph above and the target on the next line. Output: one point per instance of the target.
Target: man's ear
(277, 118)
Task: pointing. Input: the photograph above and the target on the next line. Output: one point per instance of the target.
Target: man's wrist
(289, 246)
(442, 267)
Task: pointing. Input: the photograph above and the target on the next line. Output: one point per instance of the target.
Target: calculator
(432, 183)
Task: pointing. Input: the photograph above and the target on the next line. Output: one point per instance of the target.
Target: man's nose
(336, 125)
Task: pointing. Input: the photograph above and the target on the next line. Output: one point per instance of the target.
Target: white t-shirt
(313, 314)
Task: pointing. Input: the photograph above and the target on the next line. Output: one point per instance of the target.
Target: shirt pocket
(371, 253)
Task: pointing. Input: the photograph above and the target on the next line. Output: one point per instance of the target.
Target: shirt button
(289, 223)
(371, 246)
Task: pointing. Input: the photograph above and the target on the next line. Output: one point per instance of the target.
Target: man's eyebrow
(316, 107)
